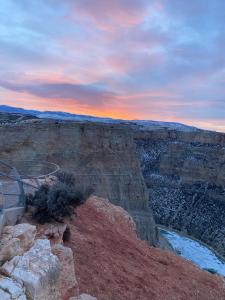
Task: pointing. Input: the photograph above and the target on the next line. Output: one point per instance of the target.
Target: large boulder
(38, 270)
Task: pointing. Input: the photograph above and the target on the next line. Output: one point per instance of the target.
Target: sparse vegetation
(66, 177)
(54, 202)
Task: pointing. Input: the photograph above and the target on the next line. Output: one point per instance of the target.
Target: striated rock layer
(111, 263)
(185, 176)
(183, 168)
(101, 156)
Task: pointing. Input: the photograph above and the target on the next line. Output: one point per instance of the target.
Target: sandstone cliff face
(100, 156)
(184, 170)
(185, 176)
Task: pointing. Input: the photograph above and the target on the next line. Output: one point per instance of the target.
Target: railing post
(2, 199)
(21, 201)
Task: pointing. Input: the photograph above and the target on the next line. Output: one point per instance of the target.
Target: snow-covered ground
(148, 124)
(194, 251)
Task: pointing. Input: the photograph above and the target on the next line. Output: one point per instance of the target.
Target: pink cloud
(110, 14)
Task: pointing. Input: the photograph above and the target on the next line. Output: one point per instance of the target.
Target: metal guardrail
(13, 176)
(29, 175)
(34, 169)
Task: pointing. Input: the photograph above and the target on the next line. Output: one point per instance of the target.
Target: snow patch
(195, 252)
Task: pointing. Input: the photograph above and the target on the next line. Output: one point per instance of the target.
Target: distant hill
(17, 110)
(58, 115)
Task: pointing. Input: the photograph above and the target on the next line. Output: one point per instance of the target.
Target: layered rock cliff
(101, 156)
(183, 168)
(185, 175)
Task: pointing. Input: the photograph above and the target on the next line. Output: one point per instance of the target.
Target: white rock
(83, 297)
(16, 240)
(37, 270)
(4, 295)
(26, 234)
(87, 297)
(12, 289)
(9, 249)
(9, 266)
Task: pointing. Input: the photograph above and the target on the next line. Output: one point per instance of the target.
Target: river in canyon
(194, 251)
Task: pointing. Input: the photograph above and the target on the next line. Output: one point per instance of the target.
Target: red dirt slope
(112, 264)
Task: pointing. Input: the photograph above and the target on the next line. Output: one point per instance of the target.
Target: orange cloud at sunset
(130, 59)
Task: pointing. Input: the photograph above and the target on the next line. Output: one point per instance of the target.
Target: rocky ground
(101, 257)
(111, 263)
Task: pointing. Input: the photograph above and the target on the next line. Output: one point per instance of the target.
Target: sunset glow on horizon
(129, 59)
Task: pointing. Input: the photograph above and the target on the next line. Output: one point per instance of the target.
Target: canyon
(170, 173)
(102, 157)
(184, 172)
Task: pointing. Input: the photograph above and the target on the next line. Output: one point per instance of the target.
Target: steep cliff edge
(101, 156)
(185, 176)
(111, 263)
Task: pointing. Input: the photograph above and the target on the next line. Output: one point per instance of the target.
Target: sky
(132, 59)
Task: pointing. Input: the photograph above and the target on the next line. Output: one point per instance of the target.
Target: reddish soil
(112, 264)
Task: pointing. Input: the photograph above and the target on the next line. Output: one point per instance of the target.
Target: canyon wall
(185, 175)
(100, 156)
(184, 170)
